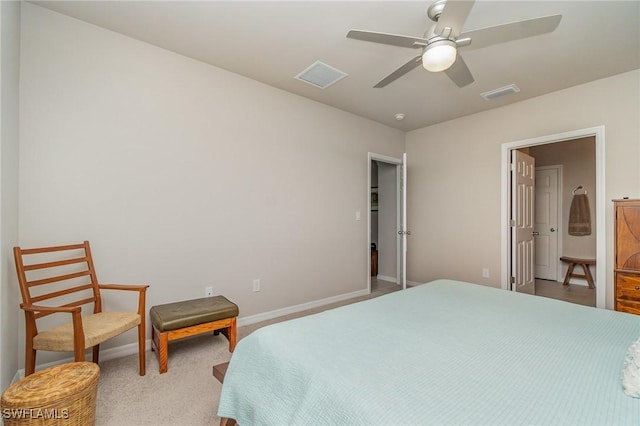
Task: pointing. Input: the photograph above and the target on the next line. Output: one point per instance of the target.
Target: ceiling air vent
(502, 91)
(320, 75)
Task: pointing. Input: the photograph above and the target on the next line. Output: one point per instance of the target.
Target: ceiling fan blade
(413, 63)
(515, 30)
(453, 15)
(459, 73)
(384, 38)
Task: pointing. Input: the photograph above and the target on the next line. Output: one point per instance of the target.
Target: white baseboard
(105, 355)
(19, 375)
(132, 348)
(394, 280)
(298, 308)
(580, 282)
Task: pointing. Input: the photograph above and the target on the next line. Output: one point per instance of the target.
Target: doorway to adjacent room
(386, 227)
(519, 264)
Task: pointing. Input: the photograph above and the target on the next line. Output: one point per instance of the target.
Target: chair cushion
(173, 316)
(97, 328)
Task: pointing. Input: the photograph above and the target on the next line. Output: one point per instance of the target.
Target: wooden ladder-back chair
(55, 281)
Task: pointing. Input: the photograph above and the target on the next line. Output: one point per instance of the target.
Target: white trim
(405, 227)
(298, 308)
(601, 257)
(399, 253)
(387, 279)
(105, 355)
(384, 158)
(18, 376)
(368, 246)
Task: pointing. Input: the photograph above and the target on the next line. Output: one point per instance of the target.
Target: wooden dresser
(627, 255)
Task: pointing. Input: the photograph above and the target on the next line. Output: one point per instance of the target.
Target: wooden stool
(61, 395)
(189, 318)
(572, 261)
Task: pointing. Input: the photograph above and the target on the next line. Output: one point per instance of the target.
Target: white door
(546, 223)
(522, 210)
(403, 226)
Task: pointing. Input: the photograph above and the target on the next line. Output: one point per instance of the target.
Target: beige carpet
(188, 393)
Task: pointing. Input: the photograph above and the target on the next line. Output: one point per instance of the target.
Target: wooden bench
(572, 261)
(189, 318)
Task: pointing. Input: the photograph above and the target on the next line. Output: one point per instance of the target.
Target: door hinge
(513, 280)
(512, 222)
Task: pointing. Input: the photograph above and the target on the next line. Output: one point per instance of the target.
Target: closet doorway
(385, 216)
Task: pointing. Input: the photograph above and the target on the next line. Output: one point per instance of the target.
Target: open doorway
(581, 155)
(384, 221)
(565, 182)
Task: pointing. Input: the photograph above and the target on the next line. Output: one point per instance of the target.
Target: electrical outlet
(485, 272)
(256, 285)
(208, 291)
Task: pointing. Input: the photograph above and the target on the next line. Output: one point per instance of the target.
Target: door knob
(552, 229)
(535, 233)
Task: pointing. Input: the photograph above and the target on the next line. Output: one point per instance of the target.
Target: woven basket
(61, 395)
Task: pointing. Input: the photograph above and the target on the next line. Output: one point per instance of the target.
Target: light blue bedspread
(445, 352)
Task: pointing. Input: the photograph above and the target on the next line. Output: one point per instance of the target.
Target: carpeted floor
(188, 393)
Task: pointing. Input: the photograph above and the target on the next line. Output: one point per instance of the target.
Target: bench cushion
(173, 316)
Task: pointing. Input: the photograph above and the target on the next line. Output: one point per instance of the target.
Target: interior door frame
(601, 256)
(560, 171)
(372, 156)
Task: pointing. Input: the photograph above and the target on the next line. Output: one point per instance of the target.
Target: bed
(445, 352)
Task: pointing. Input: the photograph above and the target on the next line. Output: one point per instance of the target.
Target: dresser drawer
(627, 286)
(628, 306)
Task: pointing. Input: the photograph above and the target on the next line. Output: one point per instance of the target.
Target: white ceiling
(273, 41)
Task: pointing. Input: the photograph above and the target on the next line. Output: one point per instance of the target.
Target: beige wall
(578, 160)
(183, 175)
(9, 98)
(454, 173)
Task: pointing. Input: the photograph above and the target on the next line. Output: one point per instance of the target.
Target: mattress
(445, 352)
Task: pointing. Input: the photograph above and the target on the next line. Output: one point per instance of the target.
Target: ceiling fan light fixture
(439, 56)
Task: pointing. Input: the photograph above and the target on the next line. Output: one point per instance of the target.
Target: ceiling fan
(443, 38)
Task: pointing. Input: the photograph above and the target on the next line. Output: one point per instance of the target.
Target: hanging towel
(580, 216)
